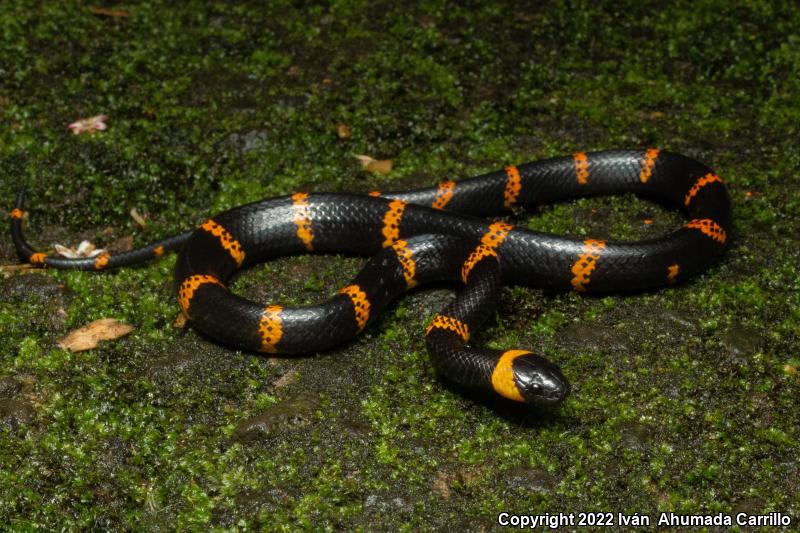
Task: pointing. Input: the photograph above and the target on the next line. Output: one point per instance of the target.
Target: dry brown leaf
(123, 244)
(89, 125)
(90, 335)
(382, 166)
(9, 270)
(343, 130)
(441, 485)
(179, 322)
(84, 249)
(104, 11)
(137, 217)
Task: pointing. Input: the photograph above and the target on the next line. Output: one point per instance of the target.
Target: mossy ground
(684, 399)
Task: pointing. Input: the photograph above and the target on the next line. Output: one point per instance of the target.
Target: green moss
(683, 399)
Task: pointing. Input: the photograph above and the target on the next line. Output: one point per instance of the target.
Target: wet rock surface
(281, 417)
(635, 436)
(530, 480)
(593, 336)
(32, 288)
(741, 342)
(15, 413)
(9, 387)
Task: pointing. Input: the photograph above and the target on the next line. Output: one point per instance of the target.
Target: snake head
(539, 381)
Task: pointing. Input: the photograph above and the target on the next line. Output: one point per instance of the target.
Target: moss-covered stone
(683, 399)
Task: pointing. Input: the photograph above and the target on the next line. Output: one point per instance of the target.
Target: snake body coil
(435, 234)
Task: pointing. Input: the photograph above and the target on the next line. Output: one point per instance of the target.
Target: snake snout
(540, 381)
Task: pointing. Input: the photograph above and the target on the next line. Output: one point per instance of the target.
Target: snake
(455, 231)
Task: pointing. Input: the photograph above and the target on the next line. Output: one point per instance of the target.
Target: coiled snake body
(428, 234)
